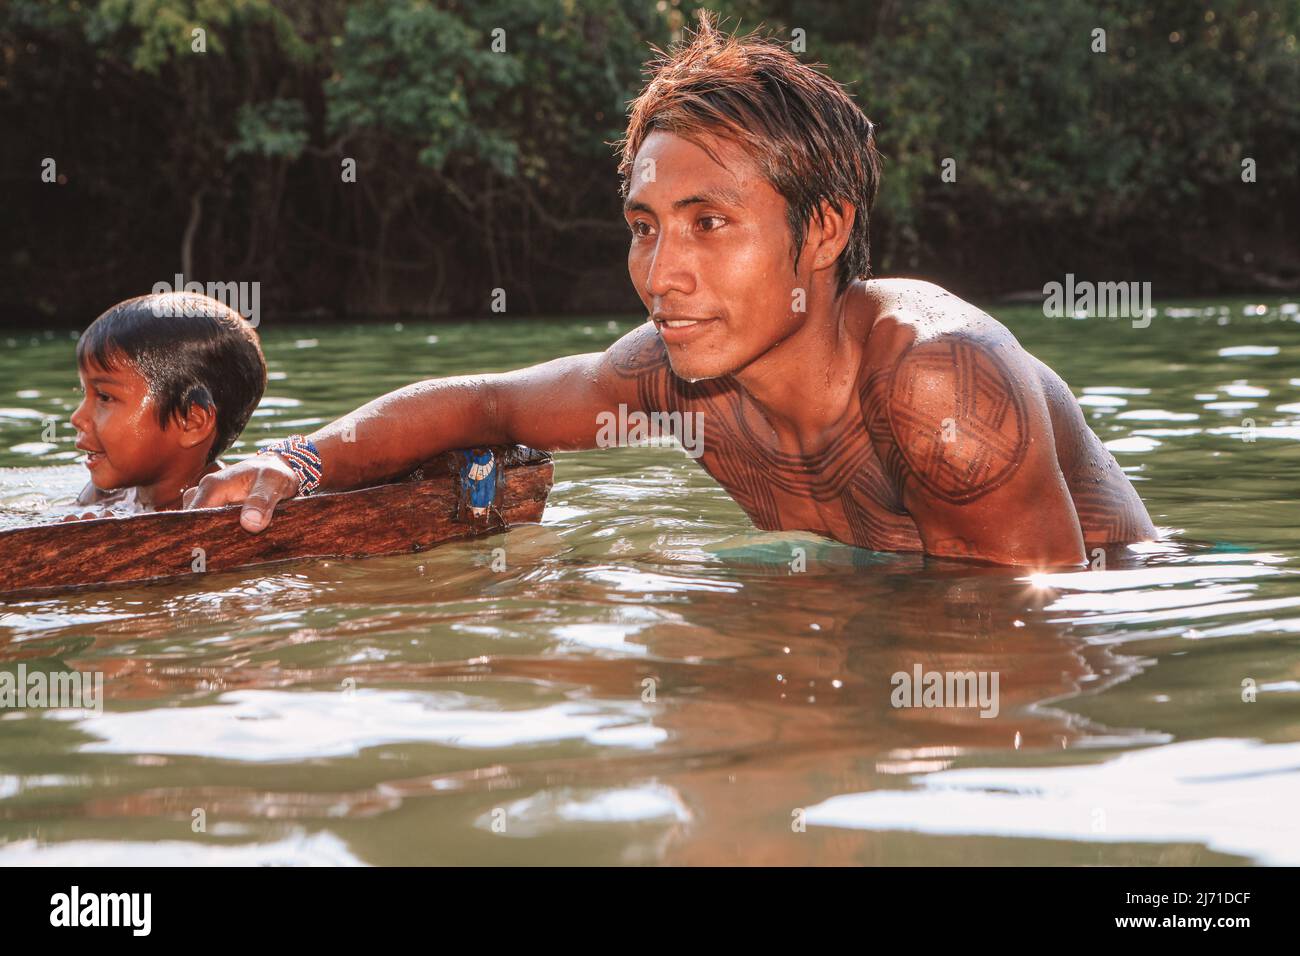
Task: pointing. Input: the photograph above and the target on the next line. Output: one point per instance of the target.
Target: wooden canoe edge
(399, 517)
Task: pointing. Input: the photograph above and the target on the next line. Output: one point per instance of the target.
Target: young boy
(170, 381)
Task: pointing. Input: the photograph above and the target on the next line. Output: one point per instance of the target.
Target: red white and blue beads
(300, 455)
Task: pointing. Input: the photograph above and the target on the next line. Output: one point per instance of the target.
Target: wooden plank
(412, 514)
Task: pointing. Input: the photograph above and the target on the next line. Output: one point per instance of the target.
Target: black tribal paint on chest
(841, 490)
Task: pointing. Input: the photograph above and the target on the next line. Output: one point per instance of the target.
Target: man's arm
(552, 406)
(973, 451)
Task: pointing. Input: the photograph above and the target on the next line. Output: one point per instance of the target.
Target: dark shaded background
(479, 170)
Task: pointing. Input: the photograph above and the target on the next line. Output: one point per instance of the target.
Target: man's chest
(840, 490)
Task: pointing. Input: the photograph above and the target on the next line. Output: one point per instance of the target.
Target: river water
(650, 680)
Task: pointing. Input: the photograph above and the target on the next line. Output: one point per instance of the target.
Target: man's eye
(717, 223)
(640, 228)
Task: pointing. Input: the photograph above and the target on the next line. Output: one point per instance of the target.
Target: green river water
(426, 709)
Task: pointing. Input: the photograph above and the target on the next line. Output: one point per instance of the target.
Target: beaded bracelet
(300, 455)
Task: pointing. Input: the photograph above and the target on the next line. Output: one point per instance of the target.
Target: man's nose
(673, 267)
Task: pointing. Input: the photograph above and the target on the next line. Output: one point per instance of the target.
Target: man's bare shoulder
(954, 393)
(917, 324)
(638, 353)
(921, 333)
(902, 314)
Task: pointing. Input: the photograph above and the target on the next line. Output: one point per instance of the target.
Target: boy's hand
(259, 483)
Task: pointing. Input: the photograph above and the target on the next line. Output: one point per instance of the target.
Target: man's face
(710, 243)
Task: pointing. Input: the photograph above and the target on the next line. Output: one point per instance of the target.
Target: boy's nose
(79, 419)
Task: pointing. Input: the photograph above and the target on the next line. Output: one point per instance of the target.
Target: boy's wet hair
(191, 350)
(807, 136)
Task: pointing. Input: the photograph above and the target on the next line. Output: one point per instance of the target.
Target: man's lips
(679, 328)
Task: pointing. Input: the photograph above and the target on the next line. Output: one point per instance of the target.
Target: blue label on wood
(478, 480)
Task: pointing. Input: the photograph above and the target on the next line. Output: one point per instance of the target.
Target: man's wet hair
(807, 136)
(191, 350)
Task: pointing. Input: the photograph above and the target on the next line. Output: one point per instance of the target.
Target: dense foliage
(480, 168)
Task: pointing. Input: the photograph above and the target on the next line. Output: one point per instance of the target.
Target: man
(887, 414)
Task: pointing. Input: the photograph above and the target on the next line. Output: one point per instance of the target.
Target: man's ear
(198, 422)
(828, 234)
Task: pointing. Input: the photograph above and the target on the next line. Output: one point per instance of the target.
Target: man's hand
(260, 483)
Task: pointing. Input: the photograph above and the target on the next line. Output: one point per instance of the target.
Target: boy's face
(710, 242)
(117, 426)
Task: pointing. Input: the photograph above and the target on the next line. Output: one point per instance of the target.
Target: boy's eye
(103, 398)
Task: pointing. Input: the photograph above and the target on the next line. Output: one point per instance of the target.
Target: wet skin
(126, 447)
(892, 415)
